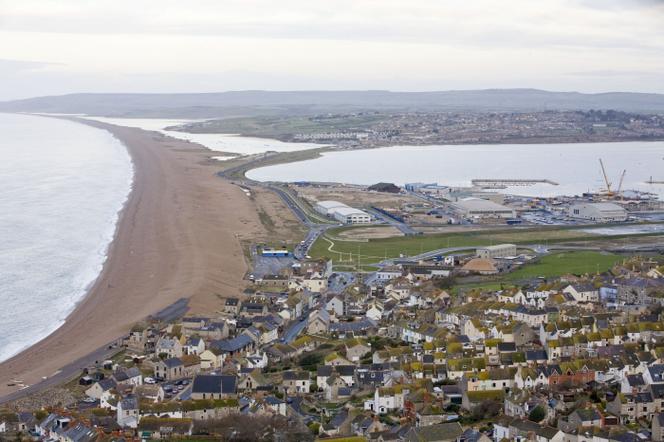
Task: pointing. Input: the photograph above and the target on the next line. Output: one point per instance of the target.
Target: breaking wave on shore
(62, 187)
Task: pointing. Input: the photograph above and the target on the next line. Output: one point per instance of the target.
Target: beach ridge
(177, 236)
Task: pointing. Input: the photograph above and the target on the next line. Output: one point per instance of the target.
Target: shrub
(537, 414)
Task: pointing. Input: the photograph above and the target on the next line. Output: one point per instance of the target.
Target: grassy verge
(562, 263)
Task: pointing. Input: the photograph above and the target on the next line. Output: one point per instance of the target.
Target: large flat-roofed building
(481, 208)
(349, 215)
(326, 207)
(342, 212)
(601, 212)
(497, 251)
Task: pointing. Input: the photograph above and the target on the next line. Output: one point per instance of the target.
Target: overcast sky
(59, 46)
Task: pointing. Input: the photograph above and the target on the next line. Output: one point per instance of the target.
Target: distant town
(371, 129)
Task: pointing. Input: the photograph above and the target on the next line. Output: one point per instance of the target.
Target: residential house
(582, 292)
(232, 306)
(387, 399)
(335, 306)
(211, 359)
(154, 428)
(128, 412)
(296, 382)
(130, 376)
(657, 427)
(169, 369)
(445, 432)
(194, 346)
(319, 322)
(168, 347)
(100, 389)
(356, 349)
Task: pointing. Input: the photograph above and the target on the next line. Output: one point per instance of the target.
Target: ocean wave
(63, 186)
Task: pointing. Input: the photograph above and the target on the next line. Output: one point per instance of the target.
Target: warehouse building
(342, 213)
(600, 212)
(348, 215)
(326, 207)
(497, 251)
(481, 208)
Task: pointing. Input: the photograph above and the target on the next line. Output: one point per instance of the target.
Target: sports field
(561, 263)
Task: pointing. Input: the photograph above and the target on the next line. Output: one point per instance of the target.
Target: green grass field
(562, 263)
(374, 250)
(377, 249)
(276, 126)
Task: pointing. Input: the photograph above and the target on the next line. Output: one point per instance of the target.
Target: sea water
(62, 186)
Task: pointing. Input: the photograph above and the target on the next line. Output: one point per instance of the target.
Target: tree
(486, 409)
(314, 427)
(241, 428)
(444, 283)
(537, 414)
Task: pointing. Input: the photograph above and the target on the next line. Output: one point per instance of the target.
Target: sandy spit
(178, 236)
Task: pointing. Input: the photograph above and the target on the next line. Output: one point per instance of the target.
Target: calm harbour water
(216, 142)
(574, 166)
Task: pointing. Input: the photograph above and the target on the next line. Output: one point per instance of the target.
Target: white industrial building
(497, 251)
(342, 213)
(348, 215)
(481, 208)
(601, 212)
(326, 207)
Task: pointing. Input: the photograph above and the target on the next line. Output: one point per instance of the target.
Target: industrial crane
(606, 179)
(610, 193)
(622, 177)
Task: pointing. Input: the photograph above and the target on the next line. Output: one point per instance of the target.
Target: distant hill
(247, 103)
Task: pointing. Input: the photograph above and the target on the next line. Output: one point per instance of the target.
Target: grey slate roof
(296, 375)
(355, 326)
(324, 370)
(216, 384)
(106, 384)
(656, 372)
(232, 345)
(172, 362)
(635, 380)
(535, 355)
(129, 403)
(438, 432)
(81, 433)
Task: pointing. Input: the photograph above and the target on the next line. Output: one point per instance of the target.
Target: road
(315, 229)
(294, 330)
(299, 213)
(66, 373)
(403, 227)
(74, 369)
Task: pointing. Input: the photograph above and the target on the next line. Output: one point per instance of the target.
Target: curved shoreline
(177, 236)
(116, 187)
